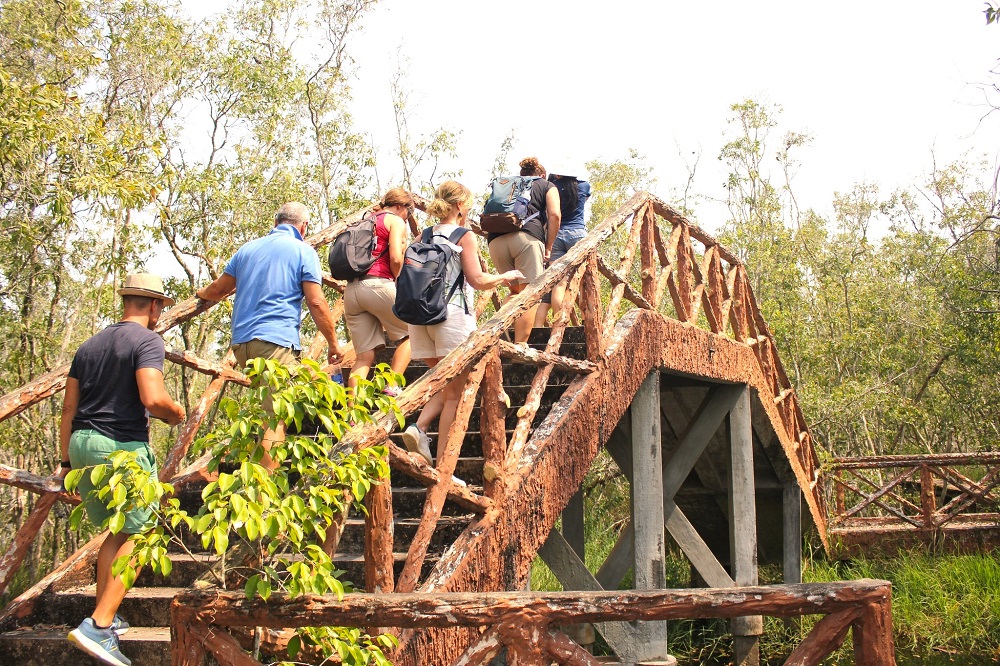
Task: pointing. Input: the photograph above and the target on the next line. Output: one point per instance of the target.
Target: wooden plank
(650, 639)
(232, 608)
(619, 560)
(791, 512)
(706, 422)
(572, 574)
(438, 493)
(694, 546)
(743, 527)
(825, 637)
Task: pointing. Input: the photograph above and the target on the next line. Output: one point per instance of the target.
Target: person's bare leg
(523, 325)
(452, 395)
(558, 294)
(271, 438)
(434, 406)
(110, 589)
(362, 364)
(542, 315)
(401, 357)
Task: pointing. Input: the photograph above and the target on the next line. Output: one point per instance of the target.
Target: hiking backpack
(352, 253)
(507, 208)
(422, 289)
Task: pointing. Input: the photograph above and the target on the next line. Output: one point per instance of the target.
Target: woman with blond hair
(368, 299)
(451, 205)
(528, 250)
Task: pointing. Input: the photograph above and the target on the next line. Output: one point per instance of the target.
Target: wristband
(65, 464)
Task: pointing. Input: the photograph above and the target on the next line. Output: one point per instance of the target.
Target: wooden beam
(25, 537)
(19, 478)
(232, 608)
(572, 574)
(619, 560)
(529, 356)
(694, 546)
(743, 526)
(826, 636)
(791, 510)
(650, 639)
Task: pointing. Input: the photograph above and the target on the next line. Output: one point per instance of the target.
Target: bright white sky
(878, 85)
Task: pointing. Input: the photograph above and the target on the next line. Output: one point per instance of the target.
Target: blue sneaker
(100, 643)
(119, 626)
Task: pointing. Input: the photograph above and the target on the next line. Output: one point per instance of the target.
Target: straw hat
(145, 284)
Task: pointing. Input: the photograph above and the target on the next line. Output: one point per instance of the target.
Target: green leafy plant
(281, 515)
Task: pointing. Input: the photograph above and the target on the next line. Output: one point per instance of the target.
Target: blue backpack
(422, 290)
(508, 206)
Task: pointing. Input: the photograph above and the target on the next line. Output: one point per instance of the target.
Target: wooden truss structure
(675, 353)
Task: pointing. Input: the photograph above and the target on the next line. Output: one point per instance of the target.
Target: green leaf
(116, 523)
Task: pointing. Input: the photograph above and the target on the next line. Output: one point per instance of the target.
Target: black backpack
(422, 292)
(352, 253)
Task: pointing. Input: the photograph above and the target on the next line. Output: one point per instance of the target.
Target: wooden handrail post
(927, 503)
(185, 648)
(873, 640)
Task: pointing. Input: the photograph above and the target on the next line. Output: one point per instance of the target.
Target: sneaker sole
(95, 650)
(413, 446)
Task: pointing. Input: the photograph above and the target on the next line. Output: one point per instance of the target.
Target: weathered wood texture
(891, 502)
(522, 619)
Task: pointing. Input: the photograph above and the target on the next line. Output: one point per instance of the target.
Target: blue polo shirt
(575, 219)
(269, 274)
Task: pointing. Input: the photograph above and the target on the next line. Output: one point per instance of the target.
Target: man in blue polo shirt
(271, 276)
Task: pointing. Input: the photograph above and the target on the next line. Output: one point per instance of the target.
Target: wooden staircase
(670, 303)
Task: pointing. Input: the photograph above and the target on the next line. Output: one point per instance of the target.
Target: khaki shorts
(368, 311)
(245, 351)
(89, 448)
(518, 250)
(437, 340)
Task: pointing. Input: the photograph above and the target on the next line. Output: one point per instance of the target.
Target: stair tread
(58, 633)
(134, 593)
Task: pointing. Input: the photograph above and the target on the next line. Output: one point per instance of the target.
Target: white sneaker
(417, 441)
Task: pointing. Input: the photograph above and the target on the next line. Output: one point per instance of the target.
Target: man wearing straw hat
(114, 385)
(272, 276)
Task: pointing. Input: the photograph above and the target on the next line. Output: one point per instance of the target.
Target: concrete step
(142, 607)
(48, 646)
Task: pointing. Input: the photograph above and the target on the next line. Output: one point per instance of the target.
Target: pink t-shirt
(381, 266)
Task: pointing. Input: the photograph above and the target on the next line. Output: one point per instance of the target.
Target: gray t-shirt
(105, 365)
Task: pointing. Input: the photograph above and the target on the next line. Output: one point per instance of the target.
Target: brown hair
(450, 193)
(531, 167)
(397, 196)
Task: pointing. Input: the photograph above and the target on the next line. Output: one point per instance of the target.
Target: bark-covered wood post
(743, 527)
(650, 638)
(873, 644)
(185, 648)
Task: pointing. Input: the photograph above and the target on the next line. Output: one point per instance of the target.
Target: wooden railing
(894, 500)
(645, 255)
(526, 623)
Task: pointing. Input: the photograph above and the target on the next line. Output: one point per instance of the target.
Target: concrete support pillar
(743, 528)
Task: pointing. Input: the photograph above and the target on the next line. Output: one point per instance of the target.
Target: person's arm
(397, 242)
(320, 311)
(219, 289)
(473, 270)
(71, 400)
(554, 214)
(155, 398)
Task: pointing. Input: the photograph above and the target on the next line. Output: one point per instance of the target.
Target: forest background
(132, 135)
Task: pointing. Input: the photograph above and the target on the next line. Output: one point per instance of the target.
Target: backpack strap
(454, 238)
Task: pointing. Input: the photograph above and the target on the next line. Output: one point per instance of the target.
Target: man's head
(295, 214)
(143, 295)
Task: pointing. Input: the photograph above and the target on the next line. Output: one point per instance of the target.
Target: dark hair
(138, 302)
(531, 167)
(569, 193)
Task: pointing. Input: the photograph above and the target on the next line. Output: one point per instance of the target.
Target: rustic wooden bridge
(660, 357)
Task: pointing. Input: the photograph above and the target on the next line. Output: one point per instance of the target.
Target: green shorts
(88, 448)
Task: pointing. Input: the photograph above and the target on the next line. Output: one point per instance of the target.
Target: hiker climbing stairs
(40, 638)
